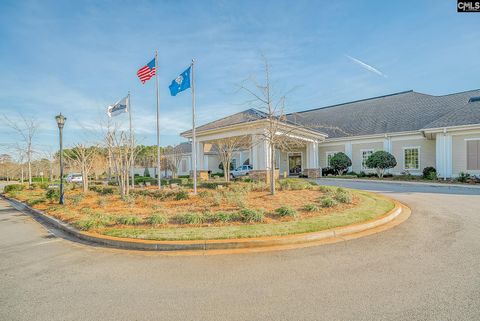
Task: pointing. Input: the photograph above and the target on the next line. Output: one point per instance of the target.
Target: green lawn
(371, 206)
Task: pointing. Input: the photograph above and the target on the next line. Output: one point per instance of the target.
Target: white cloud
(366, 66)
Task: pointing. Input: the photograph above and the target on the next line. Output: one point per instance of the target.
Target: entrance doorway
(294, 164)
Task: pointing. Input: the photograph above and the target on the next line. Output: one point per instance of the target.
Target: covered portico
(297, 154)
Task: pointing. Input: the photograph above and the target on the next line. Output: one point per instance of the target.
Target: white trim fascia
(297, 137)
(475, 138)
(223, 129)
(419, 158)
(253, 124)
(379, 136)
(451, 128)
(375, 140)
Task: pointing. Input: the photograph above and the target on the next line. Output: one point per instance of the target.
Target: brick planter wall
(262, 175)
(201, 175)
(313, 172)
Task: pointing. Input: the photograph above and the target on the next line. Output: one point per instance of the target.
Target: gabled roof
(238, 118)
(467, 114)
(399, 112)
(184, 148)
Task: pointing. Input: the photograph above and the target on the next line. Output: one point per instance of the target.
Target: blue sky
(76, 57)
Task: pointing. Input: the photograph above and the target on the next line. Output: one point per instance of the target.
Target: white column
(312, 155)
(200, 156)
(205, 162)
(348, 152)
(387, 144)
(260, 153)
(443, 155)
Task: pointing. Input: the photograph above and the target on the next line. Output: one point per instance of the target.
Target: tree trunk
(272, 169)
(84, 179)
(29, 170)
(51, 172)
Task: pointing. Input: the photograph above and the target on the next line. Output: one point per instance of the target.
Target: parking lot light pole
(60, 122)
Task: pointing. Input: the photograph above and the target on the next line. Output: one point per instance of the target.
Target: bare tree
(7, 167)
(100, 163)
(174, 157)
(225, 147)
(82, 157)
(120, 148)
(26, 129)
(278, 132)
(51, 159)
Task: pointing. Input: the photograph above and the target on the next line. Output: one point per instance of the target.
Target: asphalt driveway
(428, 268)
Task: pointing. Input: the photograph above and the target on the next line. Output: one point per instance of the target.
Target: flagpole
(158, 122)
(194, 145)
(131, 140)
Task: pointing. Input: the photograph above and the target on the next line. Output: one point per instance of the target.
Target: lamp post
(60, 122)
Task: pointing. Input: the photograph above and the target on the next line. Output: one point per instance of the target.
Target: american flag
(147, 71)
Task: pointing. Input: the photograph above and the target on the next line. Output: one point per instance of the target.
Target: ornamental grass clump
(36, 201)
(204, 194)
(327, 201)
(286, 211)
(343, 197)
(224, 217)
(129, 220)
(76, 199)
(94, 221)
(53, 194)
(190, 219)
(105, 190)
(311, 208)
(326, 189)
(157, 219)
(259, 186)
(294, 184)
(249, 215)
(237, 198)
(181, 195)
(13, 188)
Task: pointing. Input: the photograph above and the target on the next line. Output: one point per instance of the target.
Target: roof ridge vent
(474, 99)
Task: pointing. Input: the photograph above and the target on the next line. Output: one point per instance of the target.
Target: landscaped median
(232, 216)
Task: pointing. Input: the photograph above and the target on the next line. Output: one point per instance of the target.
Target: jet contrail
(366, 66)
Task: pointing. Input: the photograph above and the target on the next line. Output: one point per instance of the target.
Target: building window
(365, 155)
(411, 158)
(234, 163)
(329, 157)
(473, 155)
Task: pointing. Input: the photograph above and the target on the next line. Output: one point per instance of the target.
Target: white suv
(241, 171)
(74, 178)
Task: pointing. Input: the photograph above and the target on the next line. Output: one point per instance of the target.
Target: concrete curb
(228, 245)
(397, 182)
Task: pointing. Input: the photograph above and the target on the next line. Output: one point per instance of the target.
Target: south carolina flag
(180, 83)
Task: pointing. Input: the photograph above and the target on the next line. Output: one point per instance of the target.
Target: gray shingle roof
(399, 112)
(238, 118)
(184, 148)
(466, 115)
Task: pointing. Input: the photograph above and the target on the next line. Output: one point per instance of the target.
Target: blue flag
(180, 83)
